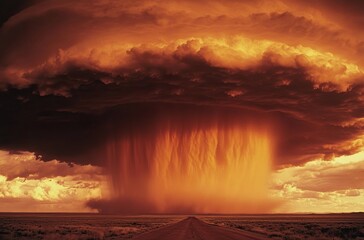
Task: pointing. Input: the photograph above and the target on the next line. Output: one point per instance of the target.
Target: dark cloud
(25, 165)
(36, 123)
(9, 8)
(73, 128)
(71, 68)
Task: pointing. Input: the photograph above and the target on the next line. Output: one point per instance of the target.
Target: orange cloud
(327, 71)
(29, 184)
(87, 27)
(322, 186)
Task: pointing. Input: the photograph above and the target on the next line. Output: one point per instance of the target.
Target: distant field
(94, 226)
(78, 226)
(296, 226)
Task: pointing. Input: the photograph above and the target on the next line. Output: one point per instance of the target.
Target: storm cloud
(72, 73)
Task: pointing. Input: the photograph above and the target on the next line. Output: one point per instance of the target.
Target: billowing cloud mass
(79, 76)
(28, 184)
(322, 186)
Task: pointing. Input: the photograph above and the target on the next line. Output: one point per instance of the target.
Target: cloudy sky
(159, 106)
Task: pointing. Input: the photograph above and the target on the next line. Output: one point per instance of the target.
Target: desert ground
(97, 226)
(296, 226)
(78, 226)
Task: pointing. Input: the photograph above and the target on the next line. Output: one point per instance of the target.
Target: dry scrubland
(78, 226)
(295, 226)
(93, 226)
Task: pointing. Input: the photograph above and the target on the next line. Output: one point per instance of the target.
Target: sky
(182, 106)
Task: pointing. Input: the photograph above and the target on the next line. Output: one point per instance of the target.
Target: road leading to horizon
(193, 228)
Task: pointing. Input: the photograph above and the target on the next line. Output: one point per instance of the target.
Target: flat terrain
(96, 226)
(78, 226)
(296, 226)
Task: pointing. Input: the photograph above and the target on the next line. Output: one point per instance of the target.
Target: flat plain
(98, 226)
(296, 226)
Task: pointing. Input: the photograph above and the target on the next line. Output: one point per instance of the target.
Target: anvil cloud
(71, 69)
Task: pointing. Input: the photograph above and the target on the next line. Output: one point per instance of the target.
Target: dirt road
(193, 228)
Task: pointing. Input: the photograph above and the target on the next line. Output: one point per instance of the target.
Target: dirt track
(193, 228)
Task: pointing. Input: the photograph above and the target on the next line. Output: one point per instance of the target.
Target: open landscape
(296, 226)
(182, 119)
(78, 226)
(95, 226)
